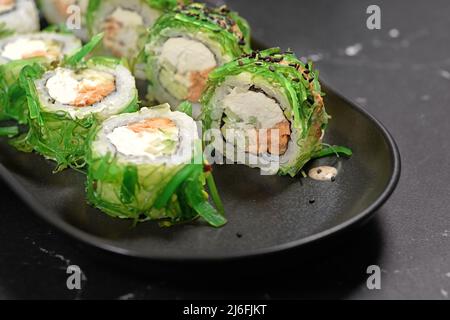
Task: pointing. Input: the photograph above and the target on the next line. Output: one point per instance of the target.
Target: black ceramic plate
(266, 214)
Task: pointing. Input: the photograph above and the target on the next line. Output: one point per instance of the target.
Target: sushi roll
(185, 45)
(17, 51)
(265, 110)
(49, 45)
(66, 101)
(60, 12)
(148, 165)
(124, 23)
(19, 16)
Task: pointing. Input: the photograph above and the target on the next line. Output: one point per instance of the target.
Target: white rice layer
(186, 128)
(113, 104)
(13, 46)
(23, 18)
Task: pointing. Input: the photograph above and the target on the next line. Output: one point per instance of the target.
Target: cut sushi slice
(49, 45)
(67, 12)
(19, 16)
(185, 45)
(65, 102)
(125, 25)
(148, 165)
(265, 110)
(16, 52)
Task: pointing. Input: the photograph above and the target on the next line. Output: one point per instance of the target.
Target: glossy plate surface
(266, 214)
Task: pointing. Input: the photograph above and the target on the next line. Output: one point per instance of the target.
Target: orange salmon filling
(6, 5)
(151, 125)
(89, 95)
(198, 84)
(80, 88)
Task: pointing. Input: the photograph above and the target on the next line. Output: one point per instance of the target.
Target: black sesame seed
(242, 42)
(239, 235)
(306, 71)
(272, 68)
(312, 200)
(296, 80)
(333, 179)
(311, 80)
(258, 63)
(319, 171)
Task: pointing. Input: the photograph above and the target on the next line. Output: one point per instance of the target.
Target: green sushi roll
(125, 24)
(67, 100)
(19, 16)
(185, 45)
(59, 12)
(18, 51)
(266, 106)
(148, 165)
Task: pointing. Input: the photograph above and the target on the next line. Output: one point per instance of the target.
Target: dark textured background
(403, 78)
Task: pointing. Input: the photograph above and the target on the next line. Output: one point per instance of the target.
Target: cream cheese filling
(185, 65)
(80, 89)
(24, 48)
(144, 141)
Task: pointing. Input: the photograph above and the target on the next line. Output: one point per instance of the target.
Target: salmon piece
(112, 27)
(89, 95)
(62, 6)
(198, 83)
(151, 125)
(34, 54)
(263, 138)
(51, 54)
(6, 2)
(284, 133)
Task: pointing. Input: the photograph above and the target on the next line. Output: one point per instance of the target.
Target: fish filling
(185, 66)
(80, 89)
(253, 119)
(7, 5)
(154, 137)
(31, 48)
(123, 29)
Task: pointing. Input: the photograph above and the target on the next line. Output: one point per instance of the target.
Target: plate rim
(99, 242)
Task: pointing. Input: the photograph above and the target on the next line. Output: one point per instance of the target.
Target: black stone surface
(402, 77)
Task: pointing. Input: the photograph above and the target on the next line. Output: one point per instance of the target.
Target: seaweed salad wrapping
(65, 101)
(148, 165)
(125, 25)
(267, 106)
(185, 45)
(19, 16)
(17, 51)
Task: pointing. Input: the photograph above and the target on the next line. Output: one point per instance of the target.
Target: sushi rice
(146, 165)
(49, 45)
(125, 25)
(18, 51)
(66, 101)
(185, 45)
(20, 16)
